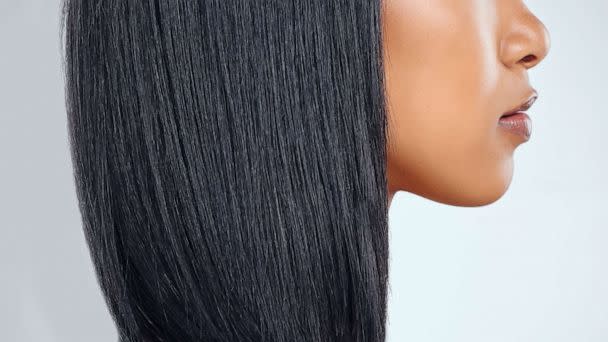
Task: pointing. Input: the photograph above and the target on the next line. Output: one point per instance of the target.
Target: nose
(526, 41)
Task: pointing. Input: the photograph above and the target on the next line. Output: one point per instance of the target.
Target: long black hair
(229, 161)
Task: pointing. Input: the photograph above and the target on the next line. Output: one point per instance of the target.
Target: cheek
(447, 159)
(443, 139)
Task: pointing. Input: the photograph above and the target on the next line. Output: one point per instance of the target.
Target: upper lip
(525, 105)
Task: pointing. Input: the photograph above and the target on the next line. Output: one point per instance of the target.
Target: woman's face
(453, 68)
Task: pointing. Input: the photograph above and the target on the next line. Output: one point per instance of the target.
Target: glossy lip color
(518, 123)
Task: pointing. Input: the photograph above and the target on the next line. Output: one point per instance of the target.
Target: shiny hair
(229, 163)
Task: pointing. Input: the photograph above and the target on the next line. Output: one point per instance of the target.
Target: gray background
(532, 267)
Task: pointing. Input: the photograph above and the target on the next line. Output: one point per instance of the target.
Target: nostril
(529, 59)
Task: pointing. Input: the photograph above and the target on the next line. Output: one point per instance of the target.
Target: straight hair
(229, 162)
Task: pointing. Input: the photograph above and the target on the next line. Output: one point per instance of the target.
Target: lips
(523, 106)
(516, 121)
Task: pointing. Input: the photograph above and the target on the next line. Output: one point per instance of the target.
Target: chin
(480, 194)
(474, 192)
(479, 199)
(467, 199)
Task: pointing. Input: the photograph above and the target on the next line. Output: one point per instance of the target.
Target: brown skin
(453, 67)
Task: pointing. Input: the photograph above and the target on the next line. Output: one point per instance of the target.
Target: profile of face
(453, 68)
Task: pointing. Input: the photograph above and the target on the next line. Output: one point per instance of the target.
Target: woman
(235, 159)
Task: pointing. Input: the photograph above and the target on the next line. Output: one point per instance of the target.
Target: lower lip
(519, 124)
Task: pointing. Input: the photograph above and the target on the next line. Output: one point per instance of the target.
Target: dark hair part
(229, 162)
